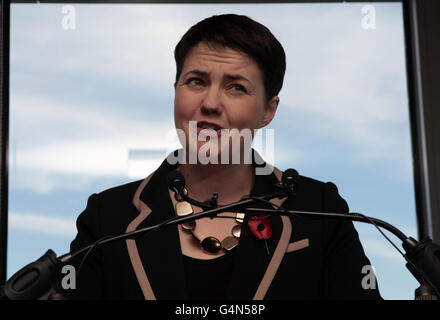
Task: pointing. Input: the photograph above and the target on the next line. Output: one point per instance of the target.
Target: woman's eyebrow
(236, 77)
(197, 72)
(227, 76)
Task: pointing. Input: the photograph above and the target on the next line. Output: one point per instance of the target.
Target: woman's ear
(270, 111)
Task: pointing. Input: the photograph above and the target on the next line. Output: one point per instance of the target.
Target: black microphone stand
(41, 279)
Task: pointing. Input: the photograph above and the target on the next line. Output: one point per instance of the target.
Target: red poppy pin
(260, 228)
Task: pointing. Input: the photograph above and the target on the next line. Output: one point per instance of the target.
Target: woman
(230, 70)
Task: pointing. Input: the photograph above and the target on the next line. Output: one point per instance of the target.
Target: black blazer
(310, 258)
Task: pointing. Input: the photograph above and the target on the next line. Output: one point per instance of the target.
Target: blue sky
(82, 100)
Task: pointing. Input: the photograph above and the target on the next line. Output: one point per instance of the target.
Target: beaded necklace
(210, 243)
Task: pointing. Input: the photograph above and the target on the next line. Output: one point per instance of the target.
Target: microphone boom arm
(423, 257)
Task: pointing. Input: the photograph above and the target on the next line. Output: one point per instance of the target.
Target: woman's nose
(212, 102)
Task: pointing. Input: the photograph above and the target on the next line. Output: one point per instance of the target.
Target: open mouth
(210, 127)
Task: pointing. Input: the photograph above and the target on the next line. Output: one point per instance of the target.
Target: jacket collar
(157, 257)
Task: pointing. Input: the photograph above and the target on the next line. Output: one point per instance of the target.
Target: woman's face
(221, 88)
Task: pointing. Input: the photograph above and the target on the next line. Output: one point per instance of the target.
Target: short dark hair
(243, 34)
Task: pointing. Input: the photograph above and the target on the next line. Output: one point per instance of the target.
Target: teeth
(207, 126)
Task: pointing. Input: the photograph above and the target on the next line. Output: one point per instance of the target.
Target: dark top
(328, 267)
(208, 279)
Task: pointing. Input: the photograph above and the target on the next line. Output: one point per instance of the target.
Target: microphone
(176, 182)
(290, 180)
(39, 279)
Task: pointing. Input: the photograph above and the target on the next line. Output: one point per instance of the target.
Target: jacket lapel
(159, 267)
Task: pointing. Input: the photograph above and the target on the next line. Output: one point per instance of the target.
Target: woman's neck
(231, 182)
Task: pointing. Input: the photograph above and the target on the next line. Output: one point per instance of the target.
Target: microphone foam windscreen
(176, 180)
(290, 174)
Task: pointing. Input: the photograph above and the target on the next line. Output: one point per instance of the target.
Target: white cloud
(132, 42)
(350, 83)
(382, 249)
(80, 144)
(42, 224)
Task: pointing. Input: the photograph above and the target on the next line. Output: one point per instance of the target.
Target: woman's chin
(206, 153)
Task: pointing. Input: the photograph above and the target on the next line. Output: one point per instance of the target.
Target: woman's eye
(239, 87)
(197, 81)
